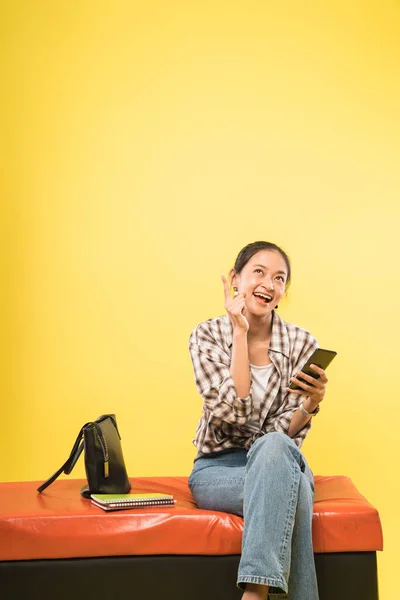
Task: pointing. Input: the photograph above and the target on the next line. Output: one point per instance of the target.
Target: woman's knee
(274, 440)
(273, 448)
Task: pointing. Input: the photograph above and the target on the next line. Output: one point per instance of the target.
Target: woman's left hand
(313, 388)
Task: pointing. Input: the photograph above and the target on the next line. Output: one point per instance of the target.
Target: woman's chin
(259, 311)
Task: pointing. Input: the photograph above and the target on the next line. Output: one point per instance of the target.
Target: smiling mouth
(262, 301)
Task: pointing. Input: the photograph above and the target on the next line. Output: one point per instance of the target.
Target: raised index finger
(226, 288)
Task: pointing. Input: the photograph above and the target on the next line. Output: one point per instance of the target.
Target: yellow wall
(146, 143)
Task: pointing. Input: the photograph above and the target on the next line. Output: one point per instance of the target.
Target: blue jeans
(272, 487)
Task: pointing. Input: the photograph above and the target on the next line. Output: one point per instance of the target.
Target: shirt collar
(279, 337)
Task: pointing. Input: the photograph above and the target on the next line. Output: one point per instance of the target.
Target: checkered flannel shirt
(223, 421)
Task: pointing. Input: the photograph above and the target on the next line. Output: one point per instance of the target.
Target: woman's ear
(232, 277)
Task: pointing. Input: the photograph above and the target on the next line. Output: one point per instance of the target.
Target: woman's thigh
(218, 483)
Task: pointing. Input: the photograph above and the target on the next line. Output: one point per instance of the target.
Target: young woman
(252, 426)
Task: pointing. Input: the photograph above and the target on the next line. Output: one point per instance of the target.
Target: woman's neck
(260, 328)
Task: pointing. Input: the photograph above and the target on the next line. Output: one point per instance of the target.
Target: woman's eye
(281, 278)
(258, 270)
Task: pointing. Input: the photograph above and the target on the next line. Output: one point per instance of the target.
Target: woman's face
(265, 273)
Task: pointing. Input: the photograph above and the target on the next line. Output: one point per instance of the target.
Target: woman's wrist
(239, 333)
(309, 405)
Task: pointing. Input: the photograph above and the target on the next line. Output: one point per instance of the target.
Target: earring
(235, 291)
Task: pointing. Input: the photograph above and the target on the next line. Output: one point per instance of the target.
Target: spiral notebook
(124, 501)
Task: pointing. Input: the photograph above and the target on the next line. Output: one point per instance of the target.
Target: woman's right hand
(236, 309)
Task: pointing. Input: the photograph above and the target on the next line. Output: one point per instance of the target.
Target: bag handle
(75, 452)
(69, 463)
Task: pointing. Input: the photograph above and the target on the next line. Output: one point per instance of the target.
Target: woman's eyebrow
(266, 268)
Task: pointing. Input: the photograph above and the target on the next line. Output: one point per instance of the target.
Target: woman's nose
(269, 284)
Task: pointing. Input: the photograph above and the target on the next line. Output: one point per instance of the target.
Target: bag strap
(75, 452)
(69, 463)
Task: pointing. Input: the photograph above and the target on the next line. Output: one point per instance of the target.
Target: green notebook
(124, 501)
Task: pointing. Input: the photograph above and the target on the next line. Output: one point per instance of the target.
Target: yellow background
(145, 144)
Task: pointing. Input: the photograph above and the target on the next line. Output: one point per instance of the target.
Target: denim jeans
(272, 487)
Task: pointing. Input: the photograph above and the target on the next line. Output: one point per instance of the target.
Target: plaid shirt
(223, 421)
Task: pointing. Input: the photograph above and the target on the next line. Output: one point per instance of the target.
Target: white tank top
(260, 376)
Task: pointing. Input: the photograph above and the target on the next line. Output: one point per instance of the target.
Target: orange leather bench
(59, 542)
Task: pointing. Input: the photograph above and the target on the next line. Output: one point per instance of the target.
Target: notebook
(124, 501)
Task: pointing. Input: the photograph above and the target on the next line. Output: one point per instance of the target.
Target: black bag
(104, 461)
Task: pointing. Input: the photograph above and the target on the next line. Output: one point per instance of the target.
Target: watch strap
(308, 414)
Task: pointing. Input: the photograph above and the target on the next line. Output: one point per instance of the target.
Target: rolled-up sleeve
(292, 401)
(283, 421)
(214, 383)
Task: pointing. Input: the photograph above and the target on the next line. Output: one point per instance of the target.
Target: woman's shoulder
(216, 328)
(296, 331)
(296, 336)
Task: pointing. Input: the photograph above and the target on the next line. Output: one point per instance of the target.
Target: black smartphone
(321, 358)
